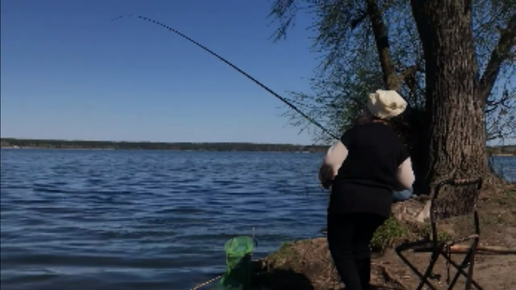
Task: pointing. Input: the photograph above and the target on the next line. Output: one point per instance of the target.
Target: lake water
(112, 220)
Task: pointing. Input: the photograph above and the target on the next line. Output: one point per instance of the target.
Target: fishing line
(238, 69)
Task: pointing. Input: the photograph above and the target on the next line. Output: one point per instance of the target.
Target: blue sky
(68, 72)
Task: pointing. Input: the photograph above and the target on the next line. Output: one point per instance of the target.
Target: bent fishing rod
(236, 68)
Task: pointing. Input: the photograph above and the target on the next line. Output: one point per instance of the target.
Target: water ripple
(148, 220)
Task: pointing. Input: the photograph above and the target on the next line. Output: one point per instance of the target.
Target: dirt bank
(306, 265)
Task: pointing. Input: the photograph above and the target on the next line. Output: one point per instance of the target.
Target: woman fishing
(363, 169)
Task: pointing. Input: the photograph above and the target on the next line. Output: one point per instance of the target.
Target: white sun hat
(386, 104)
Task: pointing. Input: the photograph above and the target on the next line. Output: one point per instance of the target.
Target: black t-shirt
(367, 177)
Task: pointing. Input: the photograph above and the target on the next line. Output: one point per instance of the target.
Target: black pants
(349, 236)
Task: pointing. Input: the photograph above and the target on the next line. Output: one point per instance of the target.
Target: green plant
(391, 231)
(443, 236)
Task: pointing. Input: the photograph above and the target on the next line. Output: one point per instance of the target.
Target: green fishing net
(239, 253)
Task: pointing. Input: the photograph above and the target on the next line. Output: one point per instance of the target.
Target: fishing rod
(237, 68)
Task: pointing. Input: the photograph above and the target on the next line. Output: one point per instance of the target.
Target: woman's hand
(326, 175)
(327, 184)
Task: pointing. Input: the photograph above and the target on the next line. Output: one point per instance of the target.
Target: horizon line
(165, 142)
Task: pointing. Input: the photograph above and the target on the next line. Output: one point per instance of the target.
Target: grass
(284, 253)
(389, 233)
(443, 236)
(286, 245)
(392, 232)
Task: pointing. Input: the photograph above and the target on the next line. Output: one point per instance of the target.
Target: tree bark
(454, 109)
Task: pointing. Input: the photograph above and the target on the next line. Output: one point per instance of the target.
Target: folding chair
(460, 201)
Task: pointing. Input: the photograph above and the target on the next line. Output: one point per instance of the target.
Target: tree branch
(408, 72)
(495, 104)
(358, 20)
(382, 44)
(498, 56)
(355, 22)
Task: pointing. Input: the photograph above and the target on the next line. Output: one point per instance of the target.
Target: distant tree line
(113, 145)
(65, 144)
(505, 150)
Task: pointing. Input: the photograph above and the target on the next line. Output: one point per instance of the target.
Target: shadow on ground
(282, 280)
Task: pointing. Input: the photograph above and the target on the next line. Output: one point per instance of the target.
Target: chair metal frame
(431, 244)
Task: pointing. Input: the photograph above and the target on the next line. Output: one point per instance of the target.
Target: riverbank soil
(307, 265)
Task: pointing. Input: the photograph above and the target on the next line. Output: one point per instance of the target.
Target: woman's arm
(405, 174)
(332, 162)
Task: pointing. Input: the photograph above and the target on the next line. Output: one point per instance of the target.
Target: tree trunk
(454, 110)
(419, 147)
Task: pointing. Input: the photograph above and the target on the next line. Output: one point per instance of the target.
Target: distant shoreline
(12, 143)
(42, 148)
(186, 150)
(178, 150)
